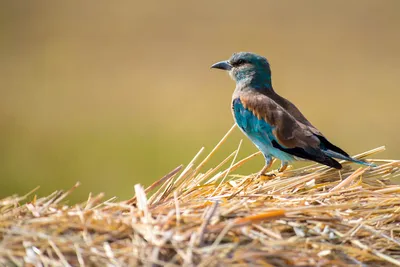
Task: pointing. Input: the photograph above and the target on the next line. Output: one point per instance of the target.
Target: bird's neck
(261, 83)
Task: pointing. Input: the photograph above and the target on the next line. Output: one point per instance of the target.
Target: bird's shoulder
(261, 106)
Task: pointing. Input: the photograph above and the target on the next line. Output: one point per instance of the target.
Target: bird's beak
(222, 65)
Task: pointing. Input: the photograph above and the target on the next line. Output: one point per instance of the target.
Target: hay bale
(312, 216)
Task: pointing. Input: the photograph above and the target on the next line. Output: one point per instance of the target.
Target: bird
(275, 125)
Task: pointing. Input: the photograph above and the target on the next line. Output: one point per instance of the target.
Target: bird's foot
(266, 176)
(263, 172)
(263, 175)
(283, 167)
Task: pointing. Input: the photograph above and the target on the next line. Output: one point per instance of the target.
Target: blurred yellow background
(112, 94)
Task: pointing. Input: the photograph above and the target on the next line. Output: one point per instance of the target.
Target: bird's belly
(263, 143)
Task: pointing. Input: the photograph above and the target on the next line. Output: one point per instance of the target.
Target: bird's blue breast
(257, 130)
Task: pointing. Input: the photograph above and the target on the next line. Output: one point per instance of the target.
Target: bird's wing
(292, 110)
(289, 134)
(296, 113)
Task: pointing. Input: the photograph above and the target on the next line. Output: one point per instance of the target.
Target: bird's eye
(238, 62)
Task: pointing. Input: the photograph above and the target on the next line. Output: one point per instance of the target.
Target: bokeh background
(116, 93)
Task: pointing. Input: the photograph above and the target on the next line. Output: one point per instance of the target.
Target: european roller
(275, 126)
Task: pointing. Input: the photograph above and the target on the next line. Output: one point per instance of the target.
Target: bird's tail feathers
(334, 154)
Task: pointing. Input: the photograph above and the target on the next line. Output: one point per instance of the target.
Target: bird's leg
(283, 166)
(268, 163)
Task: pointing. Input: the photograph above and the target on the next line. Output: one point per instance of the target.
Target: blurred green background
(116, 93)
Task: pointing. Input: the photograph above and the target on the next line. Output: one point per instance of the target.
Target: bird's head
(245, 67)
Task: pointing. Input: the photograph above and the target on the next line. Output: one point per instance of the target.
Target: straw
(311, 216)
